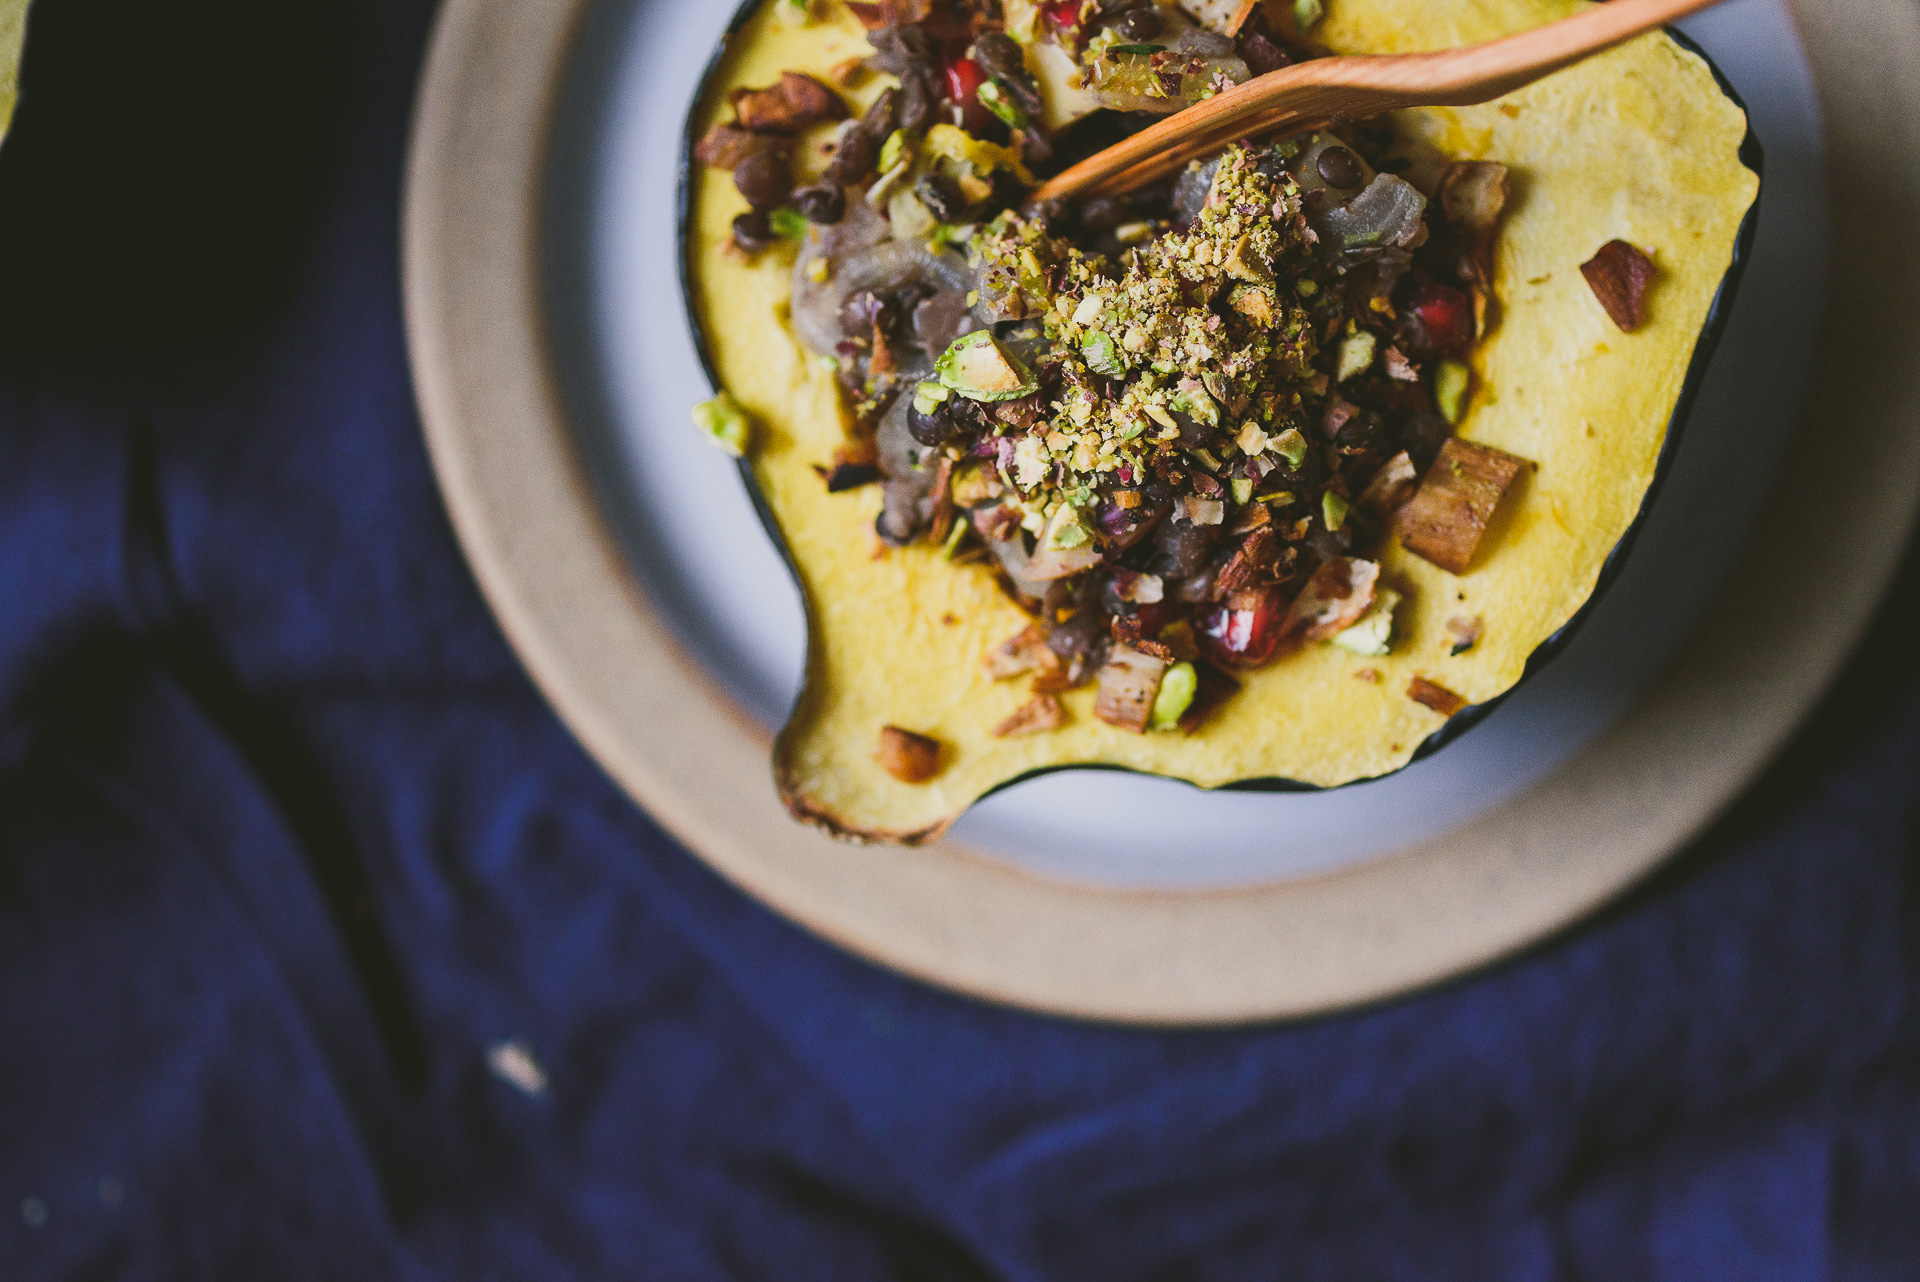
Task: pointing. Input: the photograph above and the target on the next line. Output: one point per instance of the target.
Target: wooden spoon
(1313, 94)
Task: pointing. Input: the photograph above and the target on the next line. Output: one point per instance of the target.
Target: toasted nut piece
(728, 147)
(849, 72)
(1041, 713)
(1128, 686)
(908, 757)
(788, 107)
(1337, 596)
(1474, 193)
(1392, 485)
(1024, 652)
(1435, 696)
(1465, 631)
(1619, 276)
(1447, 518)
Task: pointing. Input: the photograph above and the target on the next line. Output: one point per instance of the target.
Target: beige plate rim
(648, 712)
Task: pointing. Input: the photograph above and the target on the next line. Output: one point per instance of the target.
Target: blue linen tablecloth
(325, 953)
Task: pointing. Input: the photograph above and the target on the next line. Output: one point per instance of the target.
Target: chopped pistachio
(1177, 689)
(1201, 511)
(1198, 405)
(1356, 355)
(1245, 263)
(1101, 355)
(1067, 529)
(1373, 634)
(929, 397)
(1242, 491)
(1291, 446)
(1023, 20)
(1030, 462)
(1133, 233)
(1333, 510)
(976, 483)
(980, 369)
(1450, 383)
(1252, 440)
(1305, 287)
(796, 13)
(1255, 302)
(725, 423)
(911, 218)
(949, 142)
(1089, 309)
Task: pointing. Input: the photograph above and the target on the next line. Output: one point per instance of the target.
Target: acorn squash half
(1645, 144)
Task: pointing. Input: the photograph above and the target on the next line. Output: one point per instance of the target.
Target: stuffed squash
(1275, 473)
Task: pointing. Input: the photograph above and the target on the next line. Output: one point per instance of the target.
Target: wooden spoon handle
(1355, 87)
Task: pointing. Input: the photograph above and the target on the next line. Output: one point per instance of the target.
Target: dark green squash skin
(1752, 155)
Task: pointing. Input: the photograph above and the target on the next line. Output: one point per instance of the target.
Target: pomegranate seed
(1439, 321)
(1245, 631)
(1064, 14)
(964, 78)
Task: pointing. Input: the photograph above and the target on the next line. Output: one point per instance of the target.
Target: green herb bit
(994, 97)
(1450, 384)
(945, 234)
(788, 223)
(960, 527)
(725, 423)
(1333, 510)
(897, 150)
(1177, 689)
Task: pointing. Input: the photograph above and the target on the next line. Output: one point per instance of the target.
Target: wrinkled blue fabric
(288, 845)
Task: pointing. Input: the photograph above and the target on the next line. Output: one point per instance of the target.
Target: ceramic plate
(625, 562)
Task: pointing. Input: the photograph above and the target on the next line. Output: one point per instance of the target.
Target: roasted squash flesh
(1639, 145)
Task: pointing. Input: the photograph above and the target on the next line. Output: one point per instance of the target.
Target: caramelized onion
(1387, 214)
(861, 256)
